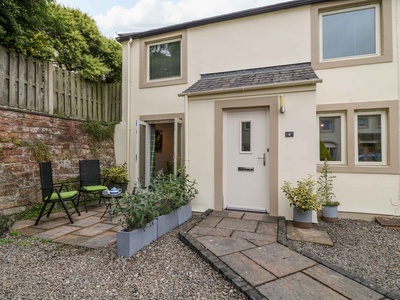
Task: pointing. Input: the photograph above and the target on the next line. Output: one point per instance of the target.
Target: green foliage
(15, 233)
(165, 194)
(302, 196)
(100, 131)
(49, 31)
(325, 186)
(324, 152)
(22, 27)
(5, 224)
(172, 191)
(115, 174)
(138, 210)
(4, 241)
(40, 150)
(30, 213)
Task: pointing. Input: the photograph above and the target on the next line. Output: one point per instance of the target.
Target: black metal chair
(91, 181)
(53, 193)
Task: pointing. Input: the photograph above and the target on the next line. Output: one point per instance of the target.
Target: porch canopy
(257, 78)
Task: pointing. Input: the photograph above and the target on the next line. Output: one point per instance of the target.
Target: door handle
(263, 158)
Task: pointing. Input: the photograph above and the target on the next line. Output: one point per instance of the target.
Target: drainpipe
(128, 110)
(186, 109)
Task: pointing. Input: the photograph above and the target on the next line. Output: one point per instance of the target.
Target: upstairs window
(350, 33)
(164, 60)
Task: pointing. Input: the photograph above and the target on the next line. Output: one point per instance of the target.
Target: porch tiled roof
(225, 81)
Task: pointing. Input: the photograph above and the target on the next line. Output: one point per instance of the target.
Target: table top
(111, 196)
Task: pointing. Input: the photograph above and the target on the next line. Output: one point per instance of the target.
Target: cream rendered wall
(201, 152)
(260, 41)
(365, 193)
(297, 155)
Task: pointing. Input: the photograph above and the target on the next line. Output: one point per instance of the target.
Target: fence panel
(27, 83)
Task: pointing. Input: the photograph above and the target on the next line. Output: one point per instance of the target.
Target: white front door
(246, 182)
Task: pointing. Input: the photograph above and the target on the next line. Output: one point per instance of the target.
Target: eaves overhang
(221, 18)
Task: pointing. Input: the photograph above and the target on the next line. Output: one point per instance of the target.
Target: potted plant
(116, 176)
(172, 197)
(138, 222)
(304, 200)
(325, 193)
(148, 214)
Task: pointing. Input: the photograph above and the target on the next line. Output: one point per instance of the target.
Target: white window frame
(148, 60)
(384, 138)
(343, 135)
(377, 33)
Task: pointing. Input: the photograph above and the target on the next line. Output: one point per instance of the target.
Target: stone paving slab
(84, 215)
(71, 239)
(224, 245)
(87, 221)
(267, 228)
(50, 224)
(94, 229)
(278, 259)
(210, 221)
(56, 232)
(248, 269)
(201, 231)
(260, 217)
(100, 241)
(315, 234)
(23, 224)
(30, 231)
(254, 236)
(238, 224)
(228, 214)
(342, 284)
(297, 286)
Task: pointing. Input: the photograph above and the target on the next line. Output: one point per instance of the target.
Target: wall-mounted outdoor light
(282, 104)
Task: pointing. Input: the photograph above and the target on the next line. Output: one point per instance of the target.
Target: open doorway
(159, 147)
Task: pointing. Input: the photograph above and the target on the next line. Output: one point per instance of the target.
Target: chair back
(46, 179)
(89, 172)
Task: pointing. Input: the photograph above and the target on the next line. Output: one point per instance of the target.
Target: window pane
(245, 135)
(369, 138)
(349, 33)
(165, 60)
(330, 138)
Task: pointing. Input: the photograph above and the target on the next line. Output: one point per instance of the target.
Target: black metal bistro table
(110, 200)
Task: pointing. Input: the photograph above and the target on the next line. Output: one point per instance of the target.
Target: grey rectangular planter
(184, 213)
(129, 242)
(166, 223)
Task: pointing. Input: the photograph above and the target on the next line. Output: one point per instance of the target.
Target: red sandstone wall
(67, 143)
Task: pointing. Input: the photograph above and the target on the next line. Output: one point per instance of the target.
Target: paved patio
(252, 252)
(89, 229)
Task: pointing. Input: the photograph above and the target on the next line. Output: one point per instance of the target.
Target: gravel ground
(167, 269)
(364, 248)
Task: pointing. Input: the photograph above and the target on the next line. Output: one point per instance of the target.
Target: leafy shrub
(137, 210)
(165, 194)
(302, 196)
(116, 174)
(5, 224)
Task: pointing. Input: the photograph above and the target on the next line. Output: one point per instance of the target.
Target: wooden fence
(29, 84)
